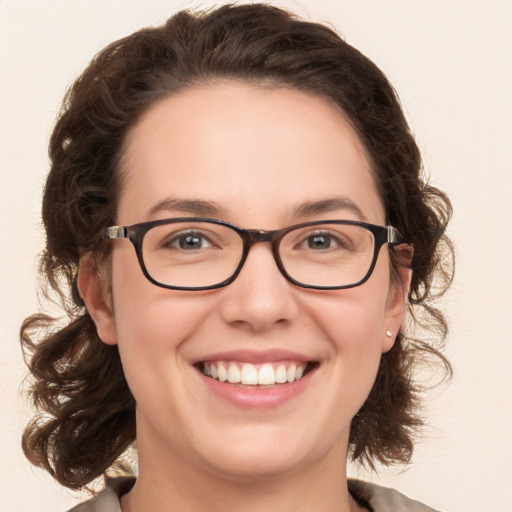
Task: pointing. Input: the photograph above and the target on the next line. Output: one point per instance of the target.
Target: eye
(188, 241)
(319, 241)
(322, 241)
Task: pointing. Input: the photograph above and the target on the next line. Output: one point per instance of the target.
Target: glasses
(203, 254)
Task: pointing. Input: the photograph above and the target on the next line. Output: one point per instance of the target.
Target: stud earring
(389, 334)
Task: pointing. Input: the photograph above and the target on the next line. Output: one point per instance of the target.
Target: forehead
(245, 149)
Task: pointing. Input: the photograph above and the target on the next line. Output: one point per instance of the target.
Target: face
(250, 156)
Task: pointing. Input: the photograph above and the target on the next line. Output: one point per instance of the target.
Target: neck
(178, 485)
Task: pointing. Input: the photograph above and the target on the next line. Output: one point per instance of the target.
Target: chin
(257, 468)
(263, 456)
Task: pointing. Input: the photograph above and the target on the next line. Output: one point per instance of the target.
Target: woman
(236, 206)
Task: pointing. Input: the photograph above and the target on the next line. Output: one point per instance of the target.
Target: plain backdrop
(451, 62)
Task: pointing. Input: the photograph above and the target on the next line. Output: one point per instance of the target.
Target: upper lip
(255, 356)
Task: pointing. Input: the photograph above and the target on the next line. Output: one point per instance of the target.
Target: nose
(260, 298)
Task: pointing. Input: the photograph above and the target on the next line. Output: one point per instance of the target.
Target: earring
(389, 334)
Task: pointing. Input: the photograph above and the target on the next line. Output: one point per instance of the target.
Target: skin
(256, 153)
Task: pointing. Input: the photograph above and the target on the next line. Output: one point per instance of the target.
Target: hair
(86, 412)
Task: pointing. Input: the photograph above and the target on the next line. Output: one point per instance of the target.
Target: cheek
(354, 321)
(156, 322)
(144, 311)
(153, 334)
(152, 323)
(356, 338)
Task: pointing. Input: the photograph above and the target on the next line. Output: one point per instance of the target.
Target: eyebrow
(196, 207)
(201, 208)
(327, 205)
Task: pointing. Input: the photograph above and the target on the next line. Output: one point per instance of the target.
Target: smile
(265, 374)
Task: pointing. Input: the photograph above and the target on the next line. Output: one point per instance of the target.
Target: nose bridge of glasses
(260, 235)
(254, 236)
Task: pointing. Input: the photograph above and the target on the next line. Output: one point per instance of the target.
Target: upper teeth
(249, 374)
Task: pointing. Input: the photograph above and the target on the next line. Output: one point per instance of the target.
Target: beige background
(451, 61)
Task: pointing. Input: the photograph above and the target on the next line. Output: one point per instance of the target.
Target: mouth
(261, 375)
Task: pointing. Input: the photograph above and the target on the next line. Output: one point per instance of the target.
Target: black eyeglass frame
(136, 232)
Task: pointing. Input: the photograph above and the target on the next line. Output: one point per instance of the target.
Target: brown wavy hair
(86, 412)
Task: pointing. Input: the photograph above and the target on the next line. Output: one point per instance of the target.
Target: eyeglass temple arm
(113, 232)
(394, 236)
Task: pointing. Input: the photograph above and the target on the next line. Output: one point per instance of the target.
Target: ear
(396, 305)
(93, 287)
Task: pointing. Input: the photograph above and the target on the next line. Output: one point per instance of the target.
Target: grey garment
(384, 499)
(108, 499)
(380, 499)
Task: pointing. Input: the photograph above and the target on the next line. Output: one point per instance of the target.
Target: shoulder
(384, 499)
(108, 499)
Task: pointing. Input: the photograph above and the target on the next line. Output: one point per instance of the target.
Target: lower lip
(253, 397)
